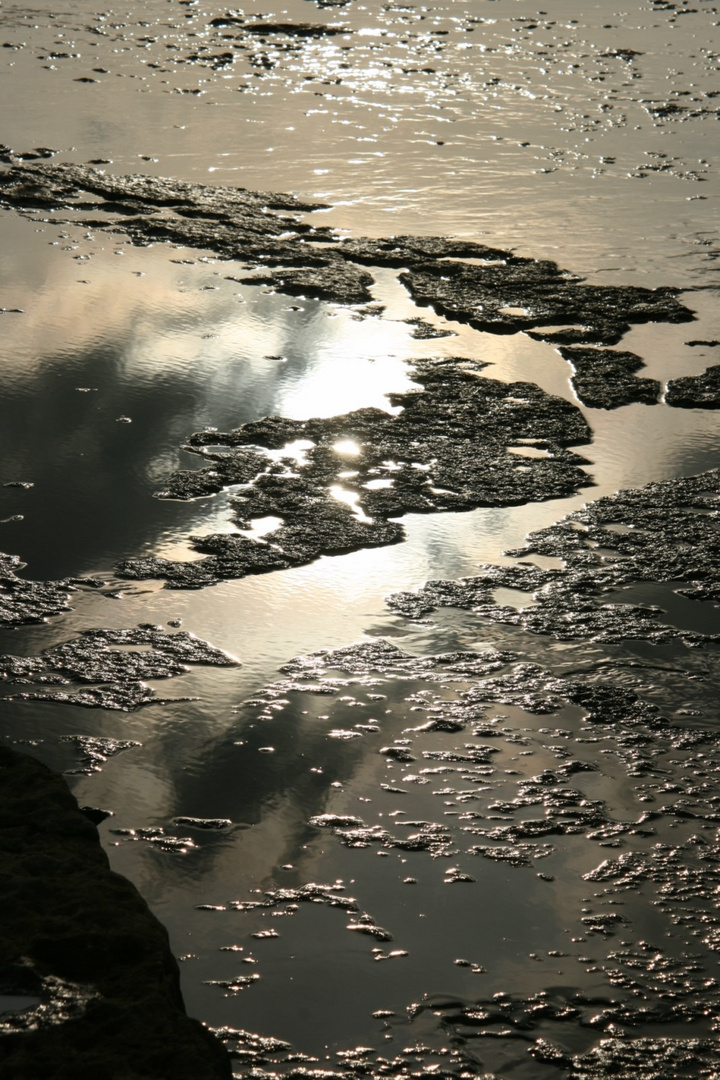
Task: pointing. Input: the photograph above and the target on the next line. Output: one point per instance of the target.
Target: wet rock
(446, 450)
(203, 823)
(96, 750)
(23, 601)
(99, 961)
(270, 29)
(424, 331)
(509, 295)
(123, 697)
(95, 814)
(549, 1054)
(240, 467)
(332, 279)
(116, 659)
(232, 222)
(500, 292)
(236, 985)
(397, 753)
(158, 837)
(605, 378)
(141, 652)
(371, 930)
(648, 1059)
(312, 893)
(695, 391)
(603, 924)
(335, 821)
(662, 532)
(514, 855)
(378, 655)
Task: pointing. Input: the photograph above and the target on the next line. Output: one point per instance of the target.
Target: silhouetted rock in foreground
(79, 947)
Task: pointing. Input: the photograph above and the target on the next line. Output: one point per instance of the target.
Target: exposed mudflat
(358, 426)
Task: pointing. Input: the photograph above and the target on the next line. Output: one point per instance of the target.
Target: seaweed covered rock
(80, 945)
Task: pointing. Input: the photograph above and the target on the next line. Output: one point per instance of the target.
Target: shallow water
(540, 132)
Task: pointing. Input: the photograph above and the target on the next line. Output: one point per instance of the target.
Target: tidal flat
(359, 504)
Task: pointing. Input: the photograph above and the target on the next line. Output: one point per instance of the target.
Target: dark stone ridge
(81, 940)
(605, 379)
(116, 660)
(663, 532)
(499, 292)
(448, 449)
(696, 391)
(511, 294)
(268, 29)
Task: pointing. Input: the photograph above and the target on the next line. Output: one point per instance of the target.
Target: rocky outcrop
(81, 951)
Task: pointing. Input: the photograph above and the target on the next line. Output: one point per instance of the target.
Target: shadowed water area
(359, 501)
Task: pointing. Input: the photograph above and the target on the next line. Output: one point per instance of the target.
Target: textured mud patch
(654, 1059)
(605, 378)
(522, 294)
(664, 532)
(496, 290)
(696, 391)
(23, 601)
(100, 963)
(116, 661)
(447, 449)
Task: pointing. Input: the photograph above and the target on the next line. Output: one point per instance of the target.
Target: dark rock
(648, 1059)
(665, 532)
(270, 29)
(95, 814)
(503, 294)
(23, 601)
(117, 660)
(446, 450)
(605, 379)
(98, 959)
(695, 391)
(203, 823)
(526, 294)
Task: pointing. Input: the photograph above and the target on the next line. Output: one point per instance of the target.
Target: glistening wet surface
(377, 830)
